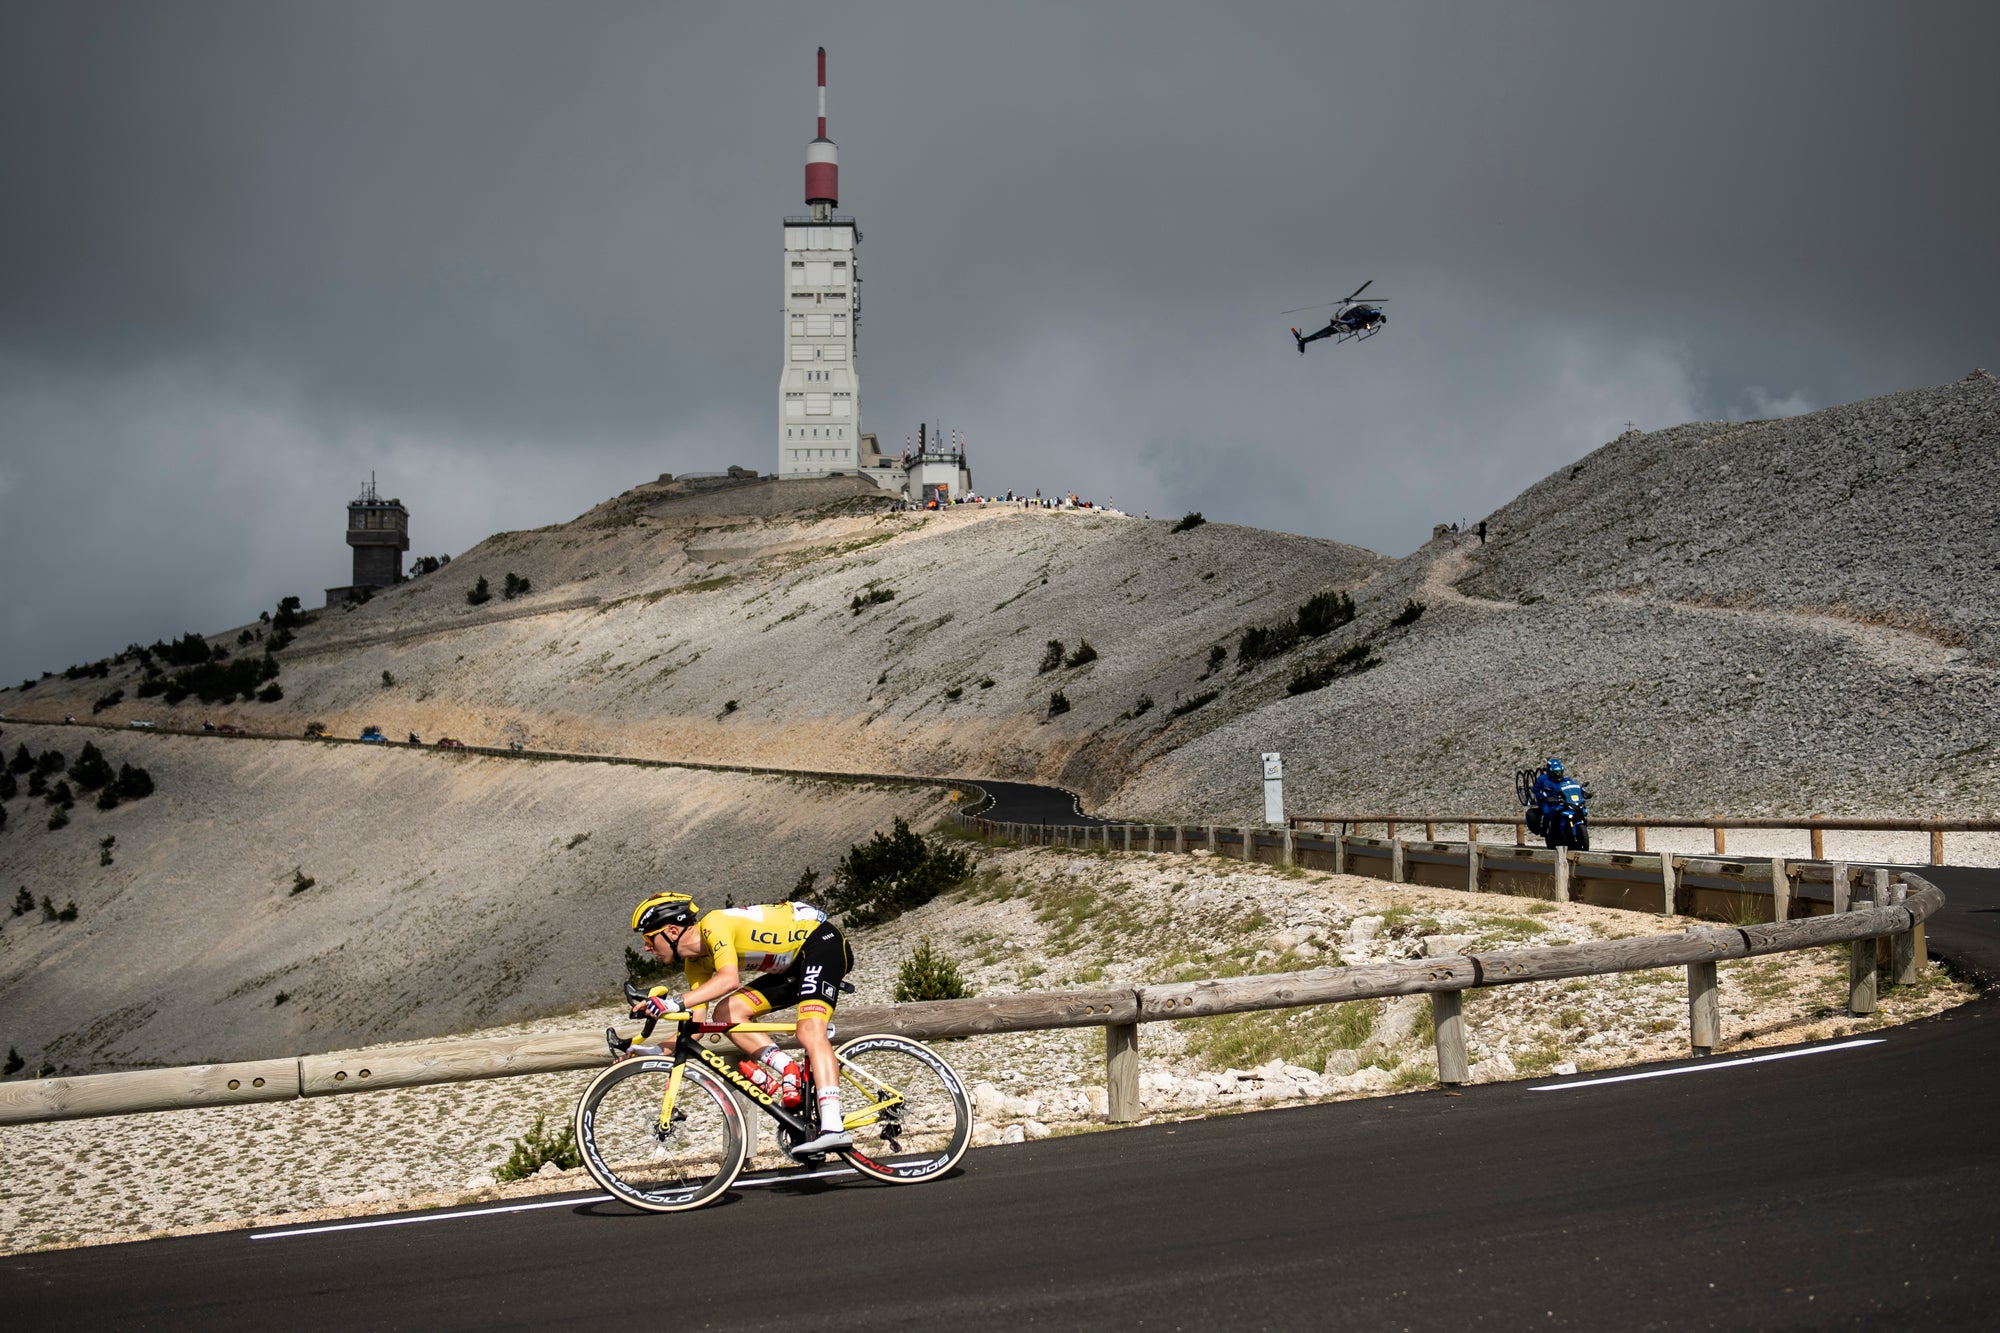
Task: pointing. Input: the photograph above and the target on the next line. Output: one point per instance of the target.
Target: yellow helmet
(662, 910)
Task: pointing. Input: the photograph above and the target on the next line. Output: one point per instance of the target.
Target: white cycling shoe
(832, 1140)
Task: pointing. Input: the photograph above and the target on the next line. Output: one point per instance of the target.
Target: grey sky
(515, 258)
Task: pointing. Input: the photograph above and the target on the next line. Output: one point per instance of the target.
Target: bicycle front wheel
(654, 1152)
(906, 1108)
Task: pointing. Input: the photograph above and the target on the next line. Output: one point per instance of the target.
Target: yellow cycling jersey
(752, 939)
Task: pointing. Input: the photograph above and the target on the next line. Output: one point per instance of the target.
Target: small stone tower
(379, 532)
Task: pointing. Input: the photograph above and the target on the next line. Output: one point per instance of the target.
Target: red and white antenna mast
(822, 160)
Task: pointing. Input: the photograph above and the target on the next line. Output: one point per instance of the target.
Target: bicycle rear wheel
(663, 1168)
(906, 1107)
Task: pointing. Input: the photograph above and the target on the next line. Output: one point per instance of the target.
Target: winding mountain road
(1847, 1182)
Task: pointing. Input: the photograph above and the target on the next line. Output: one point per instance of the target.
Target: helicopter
(1352, 318)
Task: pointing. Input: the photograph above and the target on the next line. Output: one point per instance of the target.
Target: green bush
(537, 1148)
(893, 873)
(104, 846)
(1349, 661)
(24, 902)
(1189, 521)
(289, 615)
(60, 795)
(1058, 704)
(301, 881)
(15, 1064)
(872, 597)
(107, 799)
(22, 762)
(388, 679)
(51, 762)
(1084, 653)
(1142, 705)
(133, 783)
(58, 818)
(480, 593)
(514, 587)
(1321, 614)
(90, 772)
(986, 682)
(1186, 706)
(928, 975)
(1052, 656)
(110, 700)
(271, 693)
(9, 788)
(1408, 615)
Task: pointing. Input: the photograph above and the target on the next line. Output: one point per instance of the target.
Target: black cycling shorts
(816, 974)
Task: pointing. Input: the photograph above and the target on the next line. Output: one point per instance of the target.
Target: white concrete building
(819, 391)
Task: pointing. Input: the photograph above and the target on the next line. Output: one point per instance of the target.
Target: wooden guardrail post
(1781, 890)
(1840, 889)
(1472, 865)
(1818, 843)
(1128, 837)
(1213, 846)
(1721, 843)
(1639, 838)
(1902, 951)
(1291, 852)
(1395, 860)
(1180, 838)
(1562, 874)
(1249, 846)
(1667, 884)
(1861, 960)
(1340, 853)
(1448, 1018)
(1704, 1005)
(1121, 1071)
(1937, 846)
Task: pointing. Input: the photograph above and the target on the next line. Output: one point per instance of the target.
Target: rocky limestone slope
(449, 890)
(1770, 618)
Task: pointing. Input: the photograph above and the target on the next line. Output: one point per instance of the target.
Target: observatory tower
(819, 391)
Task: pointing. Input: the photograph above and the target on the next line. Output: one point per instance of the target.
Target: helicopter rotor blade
(1362, 288)
(1301, 309)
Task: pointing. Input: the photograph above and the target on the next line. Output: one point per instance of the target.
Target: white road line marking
(1709, 1068)
(427, 1217)
(742, 1182)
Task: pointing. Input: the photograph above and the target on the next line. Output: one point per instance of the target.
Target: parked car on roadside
(450, 743)
(375, 735)
(140, 722)
(229, 729)
(315, 731)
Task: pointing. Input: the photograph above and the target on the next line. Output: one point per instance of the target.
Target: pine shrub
(1084, 653)
(927, 974)
(537, 1148)
(90, 772)
(1052, 656)
(1058, 704)
(893, 873)
(1189, 521)
(480, 593)
(301, 881)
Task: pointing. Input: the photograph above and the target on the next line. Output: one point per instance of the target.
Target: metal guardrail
(1815, 826)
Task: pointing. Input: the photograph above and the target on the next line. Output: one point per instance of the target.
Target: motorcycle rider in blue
(1557, 805)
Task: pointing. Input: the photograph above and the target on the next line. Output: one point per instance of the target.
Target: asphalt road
(1028, 803)
(1841, 1184)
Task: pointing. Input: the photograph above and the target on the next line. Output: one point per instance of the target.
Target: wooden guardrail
(1882, 912)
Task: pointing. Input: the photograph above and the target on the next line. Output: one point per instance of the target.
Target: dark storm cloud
(516, 258)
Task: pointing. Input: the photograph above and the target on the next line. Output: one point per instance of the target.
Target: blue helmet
(1555, 769)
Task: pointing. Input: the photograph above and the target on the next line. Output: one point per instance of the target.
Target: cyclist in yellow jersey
(790, 953)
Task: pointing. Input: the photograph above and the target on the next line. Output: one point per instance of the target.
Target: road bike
(664, 1128)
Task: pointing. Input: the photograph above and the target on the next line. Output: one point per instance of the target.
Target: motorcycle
(1558, 810)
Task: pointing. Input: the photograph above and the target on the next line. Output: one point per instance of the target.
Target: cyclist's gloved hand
(657, 1006)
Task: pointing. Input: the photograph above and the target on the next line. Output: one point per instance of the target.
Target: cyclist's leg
(822, 966)
(741, 1007)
